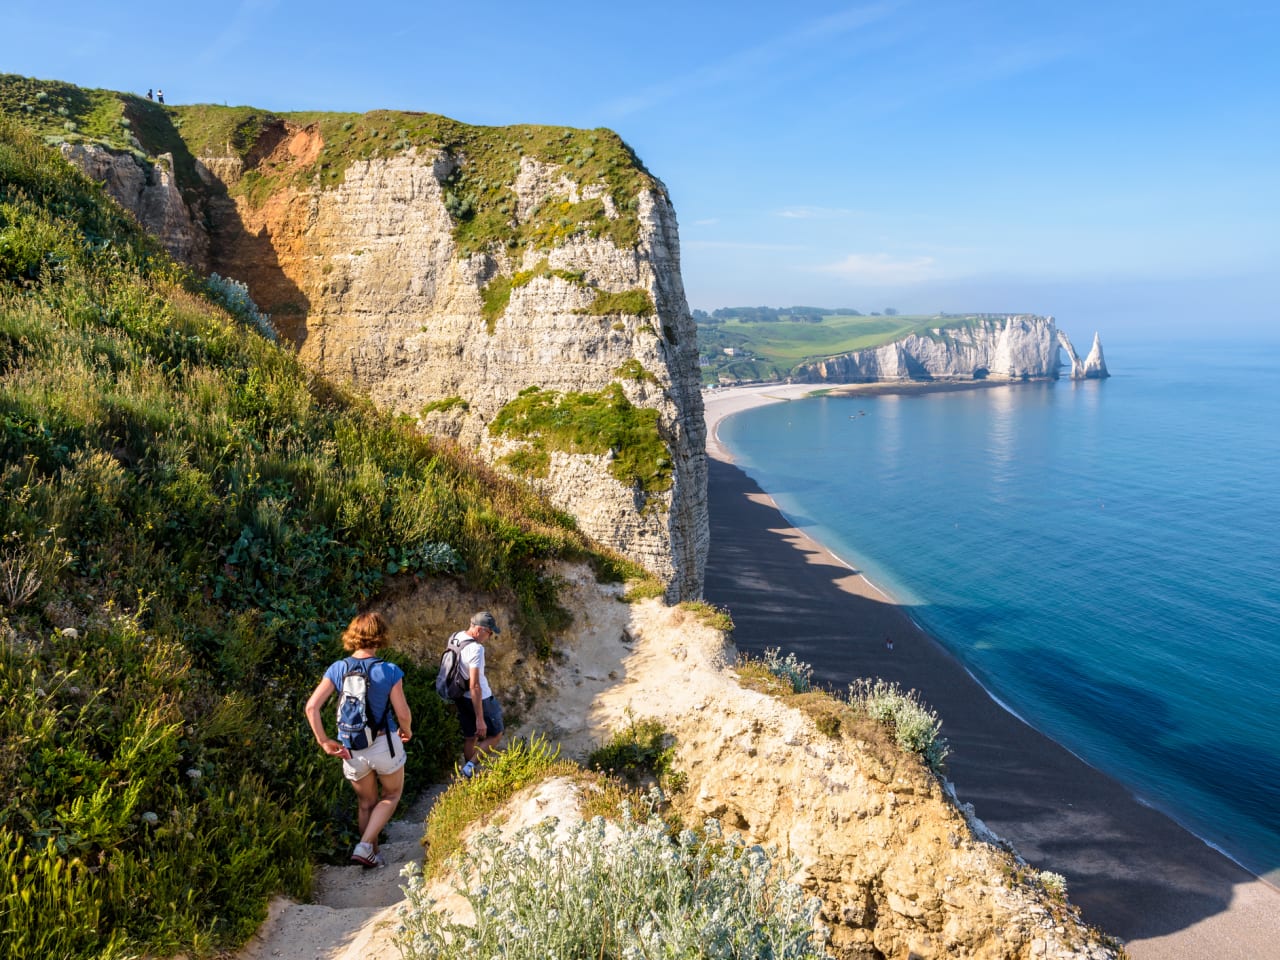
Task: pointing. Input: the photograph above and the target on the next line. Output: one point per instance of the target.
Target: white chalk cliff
(1014, 347)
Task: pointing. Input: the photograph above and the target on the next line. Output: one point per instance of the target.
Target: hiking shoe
(364, 855)
(469, 769)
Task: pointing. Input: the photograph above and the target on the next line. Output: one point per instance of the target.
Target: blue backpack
(357, 726)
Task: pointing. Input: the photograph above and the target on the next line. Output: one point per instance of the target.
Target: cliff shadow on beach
(1134, 872)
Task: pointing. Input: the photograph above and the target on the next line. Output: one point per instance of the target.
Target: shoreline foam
(1246, 921)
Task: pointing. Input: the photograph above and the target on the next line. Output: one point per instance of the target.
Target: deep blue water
(1103, 556)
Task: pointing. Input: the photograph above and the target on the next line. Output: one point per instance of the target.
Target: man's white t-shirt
(473, 657)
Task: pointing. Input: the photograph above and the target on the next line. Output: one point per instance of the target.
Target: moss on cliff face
(594, 423)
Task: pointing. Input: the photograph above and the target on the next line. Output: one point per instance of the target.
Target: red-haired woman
(376, 772)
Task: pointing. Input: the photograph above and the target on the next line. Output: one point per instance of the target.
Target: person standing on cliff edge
(479, 712)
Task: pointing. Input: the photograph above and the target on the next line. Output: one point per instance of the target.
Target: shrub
(234, 296)
(915, 727)
(643, 748)
(1055, 884)
(643, 587)
(795, 672)
(626, 890)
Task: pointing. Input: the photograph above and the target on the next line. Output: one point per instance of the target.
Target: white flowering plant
(916, 727)
(796, 672)
(628, 890)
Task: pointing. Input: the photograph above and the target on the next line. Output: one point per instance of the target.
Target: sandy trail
(354, 913)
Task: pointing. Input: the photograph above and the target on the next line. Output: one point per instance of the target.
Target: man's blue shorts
(467, 716)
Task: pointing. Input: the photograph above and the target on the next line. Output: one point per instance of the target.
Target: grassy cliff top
(478, 193)
(774, 345)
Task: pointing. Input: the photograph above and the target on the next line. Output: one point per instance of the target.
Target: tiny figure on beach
(888, 643)
(160, 96)
(149, 96)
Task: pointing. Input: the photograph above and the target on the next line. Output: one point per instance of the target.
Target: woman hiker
(378, 767)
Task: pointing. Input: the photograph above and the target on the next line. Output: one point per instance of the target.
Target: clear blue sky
(1116, 163)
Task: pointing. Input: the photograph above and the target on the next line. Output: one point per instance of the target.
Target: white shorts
(376, 758)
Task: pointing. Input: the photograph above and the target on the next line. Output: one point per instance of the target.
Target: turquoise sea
(1103, 556)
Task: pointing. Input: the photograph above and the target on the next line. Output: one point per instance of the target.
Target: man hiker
(479, 712)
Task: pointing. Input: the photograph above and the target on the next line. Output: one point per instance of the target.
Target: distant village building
(730, 351)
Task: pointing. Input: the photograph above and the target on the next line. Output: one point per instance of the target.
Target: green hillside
(769, 344)
(187, 519)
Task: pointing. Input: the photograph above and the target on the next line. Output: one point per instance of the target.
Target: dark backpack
(357, 727)
(453, 679)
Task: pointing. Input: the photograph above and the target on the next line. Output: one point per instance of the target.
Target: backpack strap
(462, 645)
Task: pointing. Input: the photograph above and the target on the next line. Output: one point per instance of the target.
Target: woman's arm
(319, 697)
(401, 706)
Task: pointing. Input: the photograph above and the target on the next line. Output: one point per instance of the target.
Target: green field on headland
(758, 343)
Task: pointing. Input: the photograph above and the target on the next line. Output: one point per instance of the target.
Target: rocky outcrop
(902, 867)
(367, 279)
(1077, 367)
(1095, 366)
(150, 192)
(1017, 347)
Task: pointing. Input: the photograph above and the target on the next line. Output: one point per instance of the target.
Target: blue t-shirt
(383, 676)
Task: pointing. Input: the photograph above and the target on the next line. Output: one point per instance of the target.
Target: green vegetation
(502, 774)
(769, 345)
(717, 618)
(59, 111)
(190, 518)
(914, 727)
(643, 587)
(597, 423)
(497, 292)
(635, 303)
(633, 369)
(444, 404)
(630, 890)
(528, 462)
(797, 673)
(641, 750)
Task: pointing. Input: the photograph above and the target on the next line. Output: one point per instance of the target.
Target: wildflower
(150, 819)
(194, 773)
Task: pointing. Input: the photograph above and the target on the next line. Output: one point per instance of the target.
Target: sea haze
(1103, 556)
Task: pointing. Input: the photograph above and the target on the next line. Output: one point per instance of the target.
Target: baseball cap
(485, 619)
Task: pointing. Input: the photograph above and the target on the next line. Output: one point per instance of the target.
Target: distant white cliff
(1013, 347)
